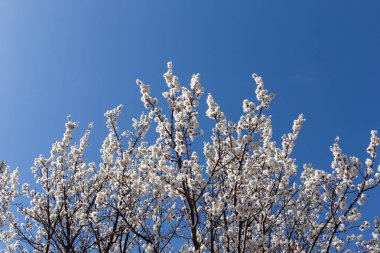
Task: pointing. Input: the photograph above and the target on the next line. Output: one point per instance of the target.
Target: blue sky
(321, 58)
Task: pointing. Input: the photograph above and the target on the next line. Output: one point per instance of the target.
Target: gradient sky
(321, 58)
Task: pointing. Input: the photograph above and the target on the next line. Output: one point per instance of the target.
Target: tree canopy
(242, 192)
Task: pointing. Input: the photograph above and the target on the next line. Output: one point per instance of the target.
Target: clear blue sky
(321, 58)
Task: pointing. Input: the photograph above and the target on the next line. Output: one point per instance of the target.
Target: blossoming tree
(241, 193)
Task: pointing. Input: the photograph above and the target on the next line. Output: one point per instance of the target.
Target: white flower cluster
(261, 93)
(8, 193)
